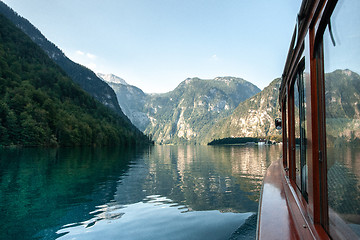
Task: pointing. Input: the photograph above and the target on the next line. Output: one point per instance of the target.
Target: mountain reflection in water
(161, 192)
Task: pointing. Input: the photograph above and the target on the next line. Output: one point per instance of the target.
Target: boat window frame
(284, 133)
(312, 29)
(314, 18)
(290, 103)
(318, 197)
(318, 49)
(289, 115)
(300, 82)
(335, 231)
(317, 174)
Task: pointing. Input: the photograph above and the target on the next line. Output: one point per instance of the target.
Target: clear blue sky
(156, 44)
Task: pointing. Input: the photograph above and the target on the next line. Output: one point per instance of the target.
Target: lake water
(161, 192)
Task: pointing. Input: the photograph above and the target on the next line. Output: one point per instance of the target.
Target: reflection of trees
(42, 190)
(45, 189)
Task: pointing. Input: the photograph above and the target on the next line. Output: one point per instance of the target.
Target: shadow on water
(89, 193)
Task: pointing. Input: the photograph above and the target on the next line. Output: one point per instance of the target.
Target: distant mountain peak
(347, 72)
(185, 114)
(111, 78)
(227, 78)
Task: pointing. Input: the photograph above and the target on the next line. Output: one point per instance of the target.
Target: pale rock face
(347, 72)
(185, 114)
(184, 130)
(111, 78)
(252, 118)
(153, 121)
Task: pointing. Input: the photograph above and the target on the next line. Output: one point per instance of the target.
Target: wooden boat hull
(281, 213)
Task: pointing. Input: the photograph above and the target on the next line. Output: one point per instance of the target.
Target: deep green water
(161, 192)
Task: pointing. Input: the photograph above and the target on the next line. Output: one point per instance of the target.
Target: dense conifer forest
(41, 106)
(81, 75)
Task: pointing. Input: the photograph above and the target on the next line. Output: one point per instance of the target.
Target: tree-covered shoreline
(242, 141)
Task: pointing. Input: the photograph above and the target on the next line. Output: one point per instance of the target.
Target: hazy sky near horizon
(156, 44)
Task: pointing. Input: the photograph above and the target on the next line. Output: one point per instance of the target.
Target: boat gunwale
(297, 223)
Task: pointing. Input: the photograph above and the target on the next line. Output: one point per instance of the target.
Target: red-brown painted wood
(281, 213)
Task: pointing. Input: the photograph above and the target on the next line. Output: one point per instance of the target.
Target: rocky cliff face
(342, 100)
(111, 78)
(185, 114)
(132, 101)
(254, 117)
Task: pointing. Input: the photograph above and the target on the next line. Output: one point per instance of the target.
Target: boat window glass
(284, 132)
(304, 124)
(303, 131)
(288, 153)
(297, 133)
(342, 114)
(300, 129)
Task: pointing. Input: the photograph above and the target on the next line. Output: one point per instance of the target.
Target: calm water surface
(161, 192)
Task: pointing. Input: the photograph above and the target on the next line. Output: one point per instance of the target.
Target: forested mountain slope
(79, 74)
(41, 106)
